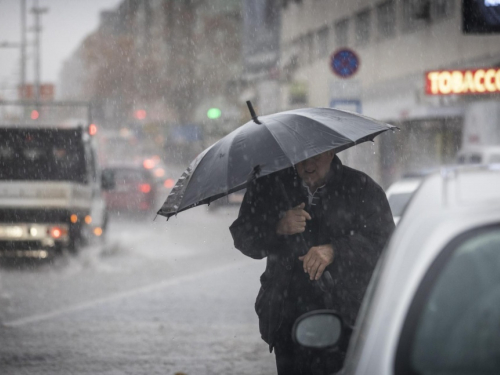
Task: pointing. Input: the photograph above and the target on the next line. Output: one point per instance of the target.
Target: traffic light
(140, 114)
(214, 113)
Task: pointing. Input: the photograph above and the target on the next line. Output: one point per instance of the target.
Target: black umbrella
(265, 145)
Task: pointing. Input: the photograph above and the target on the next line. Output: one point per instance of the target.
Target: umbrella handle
(326, 274)
(289, 207)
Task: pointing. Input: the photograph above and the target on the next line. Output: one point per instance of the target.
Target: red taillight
(145, 188)
(92, 129)
(169, 183)
(159, 172)
(148, 164)
(57, 232)
(140, 114)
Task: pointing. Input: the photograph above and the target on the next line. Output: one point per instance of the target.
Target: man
(322, 227)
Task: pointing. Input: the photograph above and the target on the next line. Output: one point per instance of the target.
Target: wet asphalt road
(156, 298)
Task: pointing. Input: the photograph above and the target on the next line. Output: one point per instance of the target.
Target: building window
(296, 55)
(342, 33)
(442, 9)
(416, 14)
(323, 36)
(363, 25)
(308, 48)
(386, 19)
(297, 93)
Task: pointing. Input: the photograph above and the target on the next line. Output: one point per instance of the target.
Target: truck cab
(51, 192)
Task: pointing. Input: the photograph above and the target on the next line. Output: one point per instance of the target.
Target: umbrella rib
(237, 132)
(195, 167)
(307, 117)
(205, 185)
(279, 144)
(285, 125)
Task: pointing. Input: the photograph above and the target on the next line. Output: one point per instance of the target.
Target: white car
(479, 155)
(399, 194)
(433, 304)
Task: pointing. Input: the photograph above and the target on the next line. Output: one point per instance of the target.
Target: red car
(134, 189)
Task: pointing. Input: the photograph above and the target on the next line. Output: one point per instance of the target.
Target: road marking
(127, 294)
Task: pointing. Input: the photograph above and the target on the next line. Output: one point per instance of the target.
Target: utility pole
(22, 79)
(37, 11)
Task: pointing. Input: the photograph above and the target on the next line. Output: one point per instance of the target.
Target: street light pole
(22, 79)
(37, 11)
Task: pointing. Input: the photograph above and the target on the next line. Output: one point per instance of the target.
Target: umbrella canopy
(265, 145)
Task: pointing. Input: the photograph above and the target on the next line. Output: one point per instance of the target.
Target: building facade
(405, 49)
(159, 66)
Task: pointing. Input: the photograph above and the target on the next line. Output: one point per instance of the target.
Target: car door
(453, 323)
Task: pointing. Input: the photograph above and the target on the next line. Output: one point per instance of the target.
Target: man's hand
(316, 260)
(294, 221)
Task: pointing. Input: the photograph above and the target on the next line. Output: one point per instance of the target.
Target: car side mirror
(107, 180)
(318, 329)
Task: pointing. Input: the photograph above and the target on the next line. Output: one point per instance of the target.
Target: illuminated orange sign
(27, 91)
(453, 82)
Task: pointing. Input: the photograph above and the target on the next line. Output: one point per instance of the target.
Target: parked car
(479, 155)
(134, 189)
(164, 176)
(433, 304)
(399, 195)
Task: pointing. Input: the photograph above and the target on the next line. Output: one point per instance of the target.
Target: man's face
(314, 170)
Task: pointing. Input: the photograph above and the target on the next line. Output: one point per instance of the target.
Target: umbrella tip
(252, 113)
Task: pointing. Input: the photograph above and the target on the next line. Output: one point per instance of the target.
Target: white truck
(51, 192)
(481, 134)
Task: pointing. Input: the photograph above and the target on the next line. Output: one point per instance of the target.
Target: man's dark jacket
(352, 214)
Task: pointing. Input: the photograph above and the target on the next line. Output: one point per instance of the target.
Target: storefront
(438, 112)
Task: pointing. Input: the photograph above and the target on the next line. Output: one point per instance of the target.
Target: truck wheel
(58, 250)
(74, 245)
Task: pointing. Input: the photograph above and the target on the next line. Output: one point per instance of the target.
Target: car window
(458, 324)
(475, 159)
(398, 202)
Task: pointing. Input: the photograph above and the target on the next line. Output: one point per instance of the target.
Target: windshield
(452, 310)
(43, 155)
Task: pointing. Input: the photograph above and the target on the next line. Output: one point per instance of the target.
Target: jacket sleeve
(254, 231)
(357, 252)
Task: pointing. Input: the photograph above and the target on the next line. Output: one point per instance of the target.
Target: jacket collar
(334, 176)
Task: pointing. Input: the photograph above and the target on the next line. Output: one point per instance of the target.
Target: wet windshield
(44, 155)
